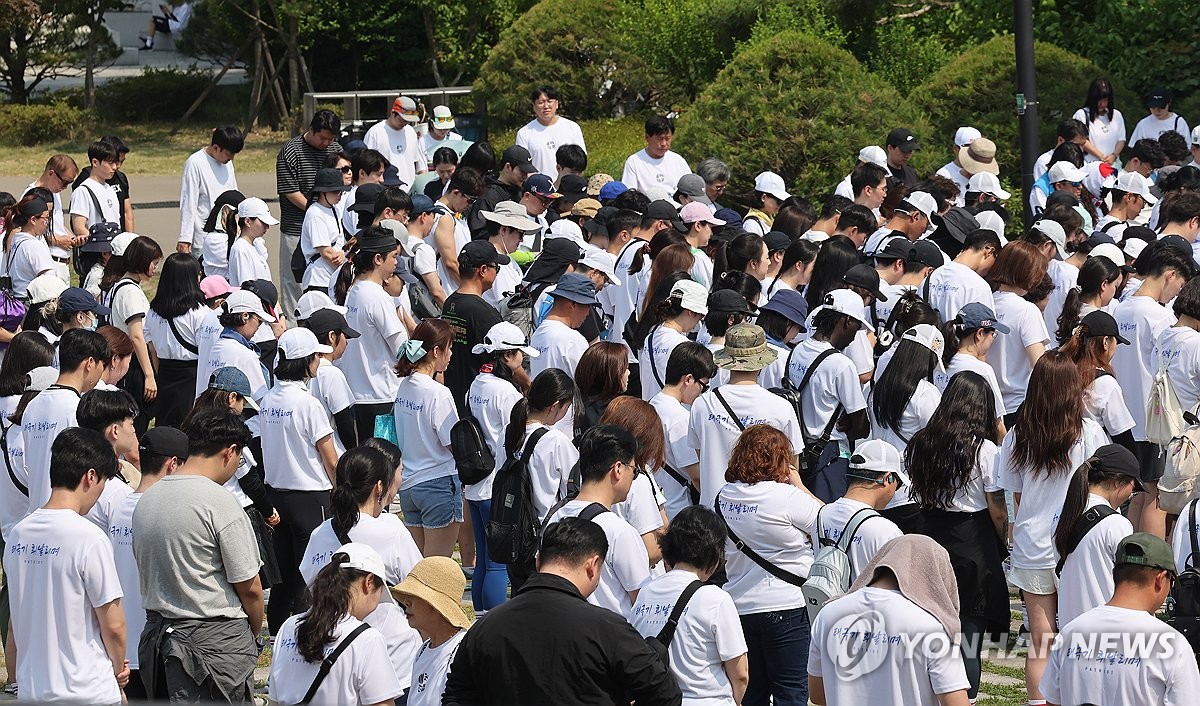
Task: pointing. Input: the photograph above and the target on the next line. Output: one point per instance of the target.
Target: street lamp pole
(1026, 99)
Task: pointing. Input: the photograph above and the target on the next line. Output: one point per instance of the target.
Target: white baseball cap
(693, 296)
(314, 300)
(987, 183)
(299, 342)
(569, 229)
(256, 208)
(364, 558)
(878, 456)
(1133, 247)
(1111, 252)
(1134, 183)
(1065, 171)
(771, 183)
(45, 287)
(929, 336)
(990, 220)
(504, 337)
(873, 154)
(1196, 136)
(1053, 230)
(598, 259)
(815, 236)
(243, 302)
(843, 301)
(923, 201)
(122, 241)
(41, 377)
(965, 135)
(443, 119)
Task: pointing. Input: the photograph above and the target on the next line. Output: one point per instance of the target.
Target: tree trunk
(431, 37)
(293, 58)
(89, 64)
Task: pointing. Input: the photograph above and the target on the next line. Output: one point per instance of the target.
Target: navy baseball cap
(776, 241)
(421, 204)
(577, 288)
(74, 299)
(976, 315)
(540, 185)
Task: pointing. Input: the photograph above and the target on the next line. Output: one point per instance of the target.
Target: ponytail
(1070, 315)
(639, 259)
(518, 419)
(737, 254)
(357, 262)
(1089, 474)
(550, 387)
(952, 333)
(429, 335)
(358, 472)
(328, 598)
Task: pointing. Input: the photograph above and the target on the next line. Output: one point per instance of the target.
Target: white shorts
(1040, 582)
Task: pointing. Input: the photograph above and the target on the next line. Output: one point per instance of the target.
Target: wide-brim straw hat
(439, 581)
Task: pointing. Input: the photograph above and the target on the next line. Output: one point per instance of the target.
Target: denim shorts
(433, 504)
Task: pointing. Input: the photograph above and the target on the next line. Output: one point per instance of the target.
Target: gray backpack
(831, 572)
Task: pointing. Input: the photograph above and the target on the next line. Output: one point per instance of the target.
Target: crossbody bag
(754, 556)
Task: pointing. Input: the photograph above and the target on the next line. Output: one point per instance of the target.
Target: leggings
(300, 512)
(489, 587)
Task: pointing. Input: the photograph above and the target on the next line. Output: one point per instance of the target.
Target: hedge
(29, 125)
(979, 86)
(799, 106)
(574, 45)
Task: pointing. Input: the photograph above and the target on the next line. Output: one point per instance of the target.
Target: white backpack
(1178, 485)
(830, 572)
(1164, 415)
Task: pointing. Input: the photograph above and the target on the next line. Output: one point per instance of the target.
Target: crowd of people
(681, 431)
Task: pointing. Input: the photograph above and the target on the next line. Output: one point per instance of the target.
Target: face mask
(91, 325)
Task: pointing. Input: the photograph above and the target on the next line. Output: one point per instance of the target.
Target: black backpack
(1185, 596)
(472, 455)
(512, 528)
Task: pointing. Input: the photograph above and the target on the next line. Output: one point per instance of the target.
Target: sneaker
(11, 688)
(146, 44)
(469, 572)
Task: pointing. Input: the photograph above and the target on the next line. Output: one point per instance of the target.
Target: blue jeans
(777, 647)
(489, 588)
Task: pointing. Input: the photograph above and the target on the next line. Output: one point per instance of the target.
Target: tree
(39, 41)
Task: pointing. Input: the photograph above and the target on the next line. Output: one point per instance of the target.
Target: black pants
(135, 690)
(176, 391)
(300, 512)
(364, 418)
(134, 383)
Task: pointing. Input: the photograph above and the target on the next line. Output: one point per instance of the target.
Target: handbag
(12, 308)
(385, 428)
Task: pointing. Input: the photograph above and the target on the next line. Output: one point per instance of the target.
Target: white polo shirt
(491, 400)
(1086, 580)
(626, 566)
(1008, 356)
(713, 433)
(369, 361)
(954, 285)
(425, 412)
(560, 347)
(292, 422)
(320, 229)
(675, 417)
(45, 417)
(872, 534)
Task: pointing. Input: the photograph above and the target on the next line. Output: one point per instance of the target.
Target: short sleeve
(849, 390)
(630, 563)
(640, 508)
(1032, 327)
(100, 579)
(802, 510)
(1007, 477)
(1115, 415)
(986, 461)
(1184, 678)
(81, 203)
(287, 173)
(679, 445)
(336, 391)
(860, 353)
(695, 420)
(946, 671)
(239, 548)
(727, 626)
(374, 676)
(316, 421)
(816, 644)
(425, 260)
(383, 316)
(445, 415)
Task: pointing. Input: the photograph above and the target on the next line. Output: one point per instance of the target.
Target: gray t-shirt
(192, 542)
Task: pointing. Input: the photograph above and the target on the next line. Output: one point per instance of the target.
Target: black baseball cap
(520, 158)
(1102, 323)
(1115, 458)
(896, 247)
(323, 321)
(478, 253)
(776, 241)
(926, 253)
(866, 277)
(164, 441)
(662, 210)
(728, 301)
(1158, 97)
(903, 138)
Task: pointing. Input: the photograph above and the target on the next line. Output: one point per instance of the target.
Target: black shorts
(161, 25)
(1151, 459)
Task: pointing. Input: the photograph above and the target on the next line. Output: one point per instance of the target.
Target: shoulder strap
(592, 511)
(1085, 524)
(732, 414)
(632, 242)
(327, 663)
(650, 354)
(677, 476)
(95, 201)
(856, 520)
(1191, 532)
(787, 368)
(25, 489)
(785, 576)
(190, 347)
(668, 632)
(112, 293)
(531, 442)
(924, 289)
(1106, 226)
(812, 367)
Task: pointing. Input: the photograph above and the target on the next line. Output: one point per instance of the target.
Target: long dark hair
(1100, 88)
(1089, 473)
(178, 286)
(549, 387)
(328, 598)
(649, 319)
(738, 253)
(1095, 273)
(1087, 351)
(358, 262)
(941, 458)
(358, 470)
(799, 251)
(836, 256)
(1050, 421)
(912, 363)
(26, 351)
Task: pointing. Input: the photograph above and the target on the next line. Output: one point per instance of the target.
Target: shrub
(157, 94)
(574, 45)
(905, 56)
(28, 125)
(979, 86)
(798, 106)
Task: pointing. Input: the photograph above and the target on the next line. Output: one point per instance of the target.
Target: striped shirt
(296, 170)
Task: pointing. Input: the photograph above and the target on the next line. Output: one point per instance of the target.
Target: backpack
(1085, 524)
(1178, 485)
(1185, 596)
(1164, 416)
(423, 304)
(472, 456)
(814, 447)
(831, 572)
(512, 528)
(661, 643)
(517, 308)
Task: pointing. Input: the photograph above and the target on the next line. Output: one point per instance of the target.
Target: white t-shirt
(872, 534)
(13, 503)
(778, 522)
(401, 147)
(1141, 320)
(430, 670)
(954, 173)
(619, 301)
(207, 332)
(292, 423)
(231, 353)
(914, 659)
(166, 346)
(893, 292)
(491, 400)
(28, 257)
(543, 142)
(361, 675)
(550, 466)
(560, 347)
(429, 145)
(120, 532)
(656, 352)
(925, 399)
(1065, 276)
(83, 205)
(641, 508)
(1086, 580)
(334, 393)
(1151, 127)
(508, 277)
(708, 634)
(1008, 356)
(369, 360)
(45, 417)
(1181, 542)
(1180, 346)
(833, 383)
(972, 497)
(204, 180)
(111, 497)
(644, 173)
(702, 269)
(320, 229)
(1104, 403)
(772, 375)
(128, 303)
(626, 566)
(1042, 498)
(1104, 132)
(963, 361)
(425, 412)
(713, 434)
(675, 417)
(954, 285)
(59, 568)
(248, 261)
(1110, 656)
(385, 534)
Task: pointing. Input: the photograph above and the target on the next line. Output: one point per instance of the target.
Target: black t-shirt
(119, 183)
(471, 318)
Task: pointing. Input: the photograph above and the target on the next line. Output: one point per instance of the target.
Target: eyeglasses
(344, 170)
(493, 266)
(470, 199)
(545, 101)
(65, 181)
(704, 385)
(720, 189)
